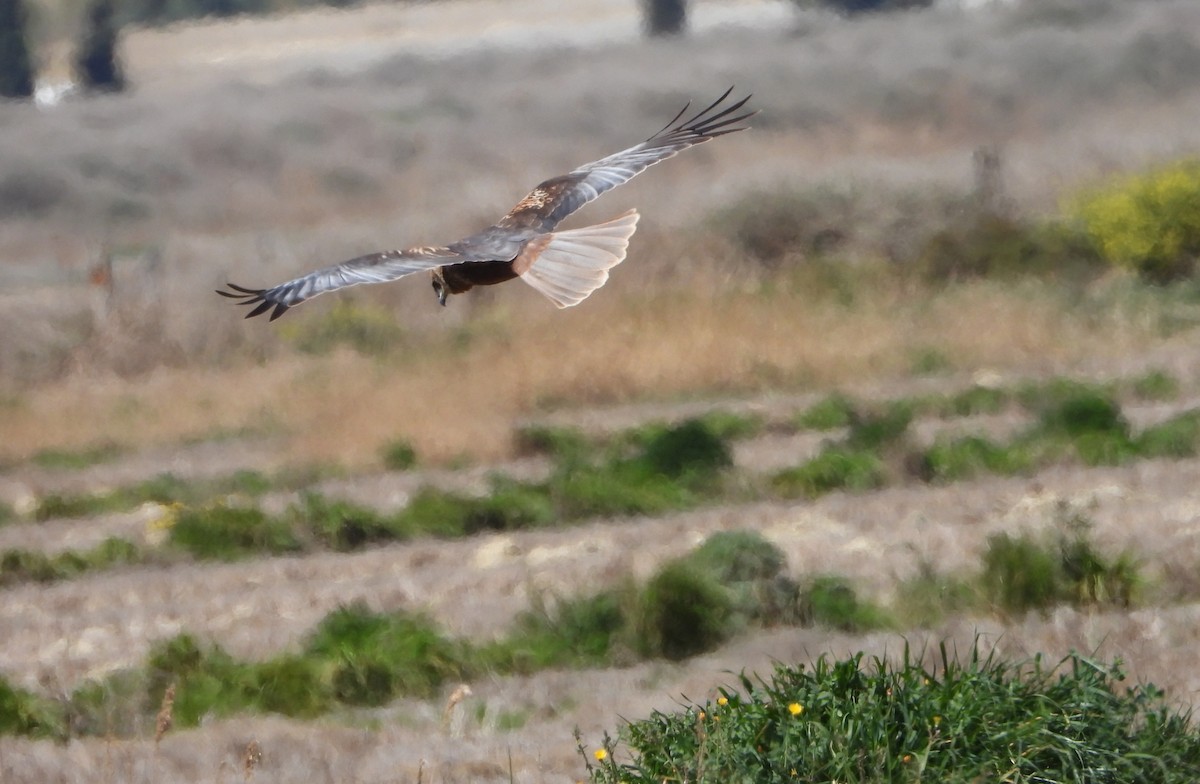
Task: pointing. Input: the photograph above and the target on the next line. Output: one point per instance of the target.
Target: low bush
(377, 656)
(884, 721)
(1148, 222)
(682, 612)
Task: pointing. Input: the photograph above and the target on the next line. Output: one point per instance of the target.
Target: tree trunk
(664, 17)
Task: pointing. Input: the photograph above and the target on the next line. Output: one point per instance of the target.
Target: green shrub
(690, 449)
(227, 533)
(897, 720)
(378, 656)
(1148, 223)
(738, 556)
(835, 468)
(682, 612)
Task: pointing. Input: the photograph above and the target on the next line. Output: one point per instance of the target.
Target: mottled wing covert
(556, 198)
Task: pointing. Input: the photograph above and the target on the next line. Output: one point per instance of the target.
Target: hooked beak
(441, 295)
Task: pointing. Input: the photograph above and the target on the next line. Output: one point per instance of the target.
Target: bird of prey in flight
(565, 266)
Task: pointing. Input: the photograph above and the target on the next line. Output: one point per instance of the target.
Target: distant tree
(96, 63)
(16, 69)
(664, 17)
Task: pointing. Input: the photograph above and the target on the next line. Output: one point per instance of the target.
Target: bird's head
(439, 285)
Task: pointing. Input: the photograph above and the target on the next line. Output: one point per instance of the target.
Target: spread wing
(555, 199)
(372, 268)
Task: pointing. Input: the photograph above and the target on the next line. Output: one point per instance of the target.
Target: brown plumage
(565, 266)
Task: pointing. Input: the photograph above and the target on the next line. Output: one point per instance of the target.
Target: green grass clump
(227, 533)
(666, 468)
(341, 525)
(73, 460)
(877, 721)
(162, 489)
(579, 632)
(510, 506)
(835, 468)
(1155, 385)
(831, 601)
(25, 713)
(829, 413)
(929, 598)
(969, 456)
(1177, 437)
(975, 400)
(558, 442)
(875, 430)
(1022, 573)
(399, 456)
(18, 566)
(377, 656)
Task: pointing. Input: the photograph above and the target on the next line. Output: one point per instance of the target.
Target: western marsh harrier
(565, 266)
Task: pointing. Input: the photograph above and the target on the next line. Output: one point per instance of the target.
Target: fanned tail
(567, 266)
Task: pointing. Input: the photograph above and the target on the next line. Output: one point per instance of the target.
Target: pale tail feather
(567, 266)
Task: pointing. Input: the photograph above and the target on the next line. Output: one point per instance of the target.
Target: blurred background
(935, 196)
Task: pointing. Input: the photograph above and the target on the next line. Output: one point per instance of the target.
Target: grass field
(878, 333)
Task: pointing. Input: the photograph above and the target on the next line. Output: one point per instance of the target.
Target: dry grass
(461, 396)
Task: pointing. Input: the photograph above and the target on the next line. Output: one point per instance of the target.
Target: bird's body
(565, 266)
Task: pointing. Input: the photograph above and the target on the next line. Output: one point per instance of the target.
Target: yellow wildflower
(907, 758)
(937, 720)
(601, 754)
(701, 716)
(795, 709)
(722, 701)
